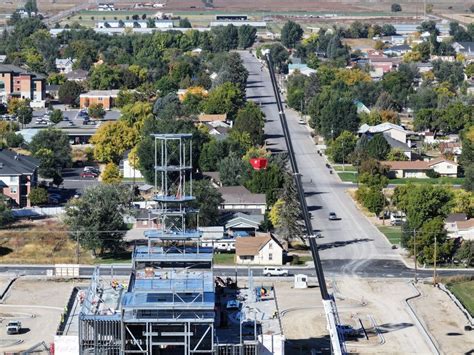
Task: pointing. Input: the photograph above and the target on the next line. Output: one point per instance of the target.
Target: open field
(464, 291)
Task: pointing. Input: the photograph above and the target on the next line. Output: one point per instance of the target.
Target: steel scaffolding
(168, 306)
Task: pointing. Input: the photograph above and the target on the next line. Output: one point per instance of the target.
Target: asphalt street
(351, 244)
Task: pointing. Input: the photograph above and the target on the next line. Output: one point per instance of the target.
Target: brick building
(105, 97)
(18, 82)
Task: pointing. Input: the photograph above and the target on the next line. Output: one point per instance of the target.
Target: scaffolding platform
(172, 235)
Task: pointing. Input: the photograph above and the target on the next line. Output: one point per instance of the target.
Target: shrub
(432, 174)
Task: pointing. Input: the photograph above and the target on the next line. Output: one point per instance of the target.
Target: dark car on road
(333, 216)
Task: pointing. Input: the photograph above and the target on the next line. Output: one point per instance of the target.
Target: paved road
(373, 269)
(352, 238)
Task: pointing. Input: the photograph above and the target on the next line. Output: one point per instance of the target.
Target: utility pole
(77, 248)
(434, 270)
(343, 153)
(414, 253)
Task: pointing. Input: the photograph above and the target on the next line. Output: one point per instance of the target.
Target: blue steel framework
(168, 306)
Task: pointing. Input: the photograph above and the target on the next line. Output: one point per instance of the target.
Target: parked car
(397, 218)
(14, 327)
(333, 216)
(92, 169)
(301, 121)
(274, 271)
(89, 175)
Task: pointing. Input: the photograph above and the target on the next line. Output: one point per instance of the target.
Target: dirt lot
(382, 301)
(446, 323)
(38, 305)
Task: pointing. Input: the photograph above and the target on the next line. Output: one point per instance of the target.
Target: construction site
(171, 303)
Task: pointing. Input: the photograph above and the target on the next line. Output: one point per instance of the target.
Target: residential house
(451, 220)
(241, 199)
(465, 229)
(398, 50)
(260, 250)
(451, 149)
(379, 60)
(242, 224)
(144, 219)
(396, 144)
(396, 132)
(429, 137)
(52, 91)
(208, 118)
(64, 65)
(301, 68)
(419, 168)
(77, 75)
(105, 97)
(214, 176)
(20, 83)
(464, 48)
(126, 168)
(18, 174)
(3, 58)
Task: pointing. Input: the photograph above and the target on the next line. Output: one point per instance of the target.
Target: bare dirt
(38, 305)
(369, 300)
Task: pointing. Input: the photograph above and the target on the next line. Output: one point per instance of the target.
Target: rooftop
(12, 163)
(239, 195)
(101, 93)
(251, 245)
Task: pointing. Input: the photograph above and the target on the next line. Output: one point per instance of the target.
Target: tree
(467, 158)
(96, 110)
(31, 7)
(290, 226)
(69, 92)
(378, 148)
(422, 202)
(167, 107)
(208, 200)
(247, 36)
(226, 38)
(388, 30)
(6, 215)
(371, 198)
(212, 153)
(112, 139)
(233, 71)
(341, 148)
(96, 219)
(24, 115)
(466, 252)
(105, 77)
(279, 56)
(232, 170)
(56, 116)
(111, 174)
(291, 34)
(184, 23)
(13, 140)
(226, 98)
(51, 147)
(396, 7)
(251, 119)
(269, 181)
(38, 196)
(433, 231)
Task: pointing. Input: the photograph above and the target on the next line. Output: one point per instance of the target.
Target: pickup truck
(275, 271)
(14, 327)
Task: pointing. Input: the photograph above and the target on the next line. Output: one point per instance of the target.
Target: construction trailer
(168, 305)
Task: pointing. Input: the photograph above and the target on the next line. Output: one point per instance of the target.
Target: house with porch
(259, 250)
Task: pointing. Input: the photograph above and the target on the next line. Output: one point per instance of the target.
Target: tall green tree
(96, 219)
(290, 225)
(251, 119)
(51, 147)
(232, 170)
(291, 34)
(378, 148)
(247, 36)
(208, 200)
(69, 92)
(342, 147)
(226, 98)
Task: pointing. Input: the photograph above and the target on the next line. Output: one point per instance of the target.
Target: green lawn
(346, 168)
(393, 234)
(464, 291)
(224, 258)
(447, 181)
(348, 176)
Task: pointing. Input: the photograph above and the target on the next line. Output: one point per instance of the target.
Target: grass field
(439, 181)
(393, 234)
(464, 291)
(224, 258)
(346, 168)
(348, 176)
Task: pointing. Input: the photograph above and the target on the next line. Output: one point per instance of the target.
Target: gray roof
(396, 144)
(240, 195)
(77, 74)
(16, 164)
(9, 68)
(456, 217)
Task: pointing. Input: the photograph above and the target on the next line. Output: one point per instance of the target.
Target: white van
(274, 271)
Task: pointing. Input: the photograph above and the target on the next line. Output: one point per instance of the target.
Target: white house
(261, 250)
(419, 168)
(465, 229)
(394, 131)
(444, 167)
(127, 170)
(450, 223)
(241, 199)
(64, 66)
